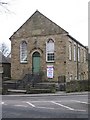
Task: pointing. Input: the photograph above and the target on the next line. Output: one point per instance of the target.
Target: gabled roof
(76, 41)
(3, 59)
(39, 22)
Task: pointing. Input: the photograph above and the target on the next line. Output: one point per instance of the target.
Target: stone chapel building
(41, 45)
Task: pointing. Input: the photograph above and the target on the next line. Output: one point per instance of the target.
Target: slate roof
(76, 41)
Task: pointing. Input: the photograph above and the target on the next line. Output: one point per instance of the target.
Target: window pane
(84, 56)
(50, 50)
(50, 56)
(70, 51)
(74, 52)
(50, 46)
(23, 52)
(79, 54)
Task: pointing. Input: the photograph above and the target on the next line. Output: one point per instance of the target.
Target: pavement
(58, 93)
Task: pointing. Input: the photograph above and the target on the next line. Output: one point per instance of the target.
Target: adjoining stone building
(41, 45)
(89, 66)
(5, 67)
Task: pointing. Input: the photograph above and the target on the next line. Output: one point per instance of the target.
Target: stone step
(13, 91)
(36, 91)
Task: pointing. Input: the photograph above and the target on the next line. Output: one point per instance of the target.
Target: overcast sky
(71, 15)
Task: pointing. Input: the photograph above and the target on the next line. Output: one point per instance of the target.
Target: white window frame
(78, 54)
(84, 56)
(23, 52)
(47, 57)
(70, 50)
(50, 50)
(74, 52)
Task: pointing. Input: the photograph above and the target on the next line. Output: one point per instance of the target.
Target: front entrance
(36, 62)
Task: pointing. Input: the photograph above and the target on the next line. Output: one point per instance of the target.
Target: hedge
(77, 86)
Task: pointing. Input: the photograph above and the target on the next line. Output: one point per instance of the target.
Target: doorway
(36, 62)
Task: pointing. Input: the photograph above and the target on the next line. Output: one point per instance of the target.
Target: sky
(71, 15)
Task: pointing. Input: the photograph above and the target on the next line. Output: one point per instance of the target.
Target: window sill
(50, 61)
(23, 62)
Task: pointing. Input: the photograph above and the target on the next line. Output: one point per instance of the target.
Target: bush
(0, 90)
(4, 90)
(77, 86)
(52, 88)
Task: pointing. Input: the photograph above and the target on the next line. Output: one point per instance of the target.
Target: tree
(4, 6)
(2, 3)
(4, 49)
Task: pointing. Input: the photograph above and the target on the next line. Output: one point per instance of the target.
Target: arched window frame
(79, 54)
(23, 52)
(70, 50)
(50, 50)
(75, 53)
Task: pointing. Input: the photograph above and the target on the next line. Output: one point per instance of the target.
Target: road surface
(69, 106)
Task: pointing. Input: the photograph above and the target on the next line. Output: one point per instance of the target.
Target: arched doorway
(36, 62)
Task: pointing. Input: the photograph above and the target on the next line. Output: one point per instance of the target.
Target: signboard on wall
(50, 71)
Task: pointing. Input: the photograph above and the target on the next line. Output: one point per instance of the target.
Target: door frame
(38, 55)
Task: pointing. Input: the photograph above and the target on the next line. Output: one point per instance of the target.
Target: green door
(36, 62)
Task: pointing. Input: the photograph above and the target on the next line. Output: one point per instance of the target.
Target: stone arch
(36, 62)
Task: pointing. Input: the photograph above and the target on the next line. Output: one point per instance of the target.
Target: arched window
(50, 56)
(70, 50)
(23, 52)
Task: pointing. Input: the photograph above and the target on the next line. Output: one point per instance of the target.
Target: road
(70, 106)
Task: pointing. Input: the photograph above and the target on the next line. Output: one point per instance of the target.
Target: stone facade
(36, 31)
(89, 66)
(77, 69)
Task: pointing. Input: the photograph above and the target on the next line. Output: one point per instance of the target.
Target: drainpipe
(77, 64)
